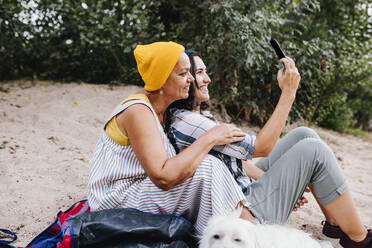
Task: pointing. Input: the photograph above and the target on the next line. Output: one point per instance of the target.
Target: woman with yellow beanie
(135, 166)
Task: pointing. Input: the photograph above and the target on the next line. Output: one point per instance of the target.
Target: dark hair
(190, 102)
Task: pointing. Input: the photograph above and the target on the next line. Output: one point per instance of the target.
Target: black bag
(129, 228)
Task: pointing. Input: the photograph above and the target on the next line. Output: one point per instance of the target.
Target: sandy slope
(47, 134)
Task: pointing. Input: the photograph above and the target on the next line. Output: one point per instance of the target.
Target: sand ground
(48, 131)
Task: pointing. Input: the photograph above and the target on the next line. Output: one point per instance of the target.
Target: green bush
(340, 117)
(93, 41)
(360, 102)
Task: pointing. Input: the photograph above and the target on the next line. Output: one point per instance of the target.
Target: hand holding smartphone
(290, 82)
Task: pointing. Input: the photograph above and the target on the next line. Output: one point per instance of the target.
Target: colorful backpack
(57, 234)
(119, 228)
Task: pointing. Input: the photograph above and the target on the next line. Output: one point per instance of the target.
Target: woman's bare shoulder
(136, 116)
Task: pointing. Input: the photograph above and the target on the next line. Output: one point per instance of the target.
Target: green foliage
(13, 59)
(340, 118)
(330, 52)
(356, 132)
(84, 40)
(360, 102)
(93, 41)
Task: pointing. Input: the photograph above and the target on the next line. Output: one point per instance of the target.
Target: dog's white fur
(233, 232)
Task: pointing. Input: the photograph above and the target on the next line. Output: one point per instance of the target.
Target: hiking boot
(331, 231)
(345, 241)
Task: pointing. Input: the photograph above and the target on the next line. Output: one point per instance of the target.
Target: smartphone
(277, 49)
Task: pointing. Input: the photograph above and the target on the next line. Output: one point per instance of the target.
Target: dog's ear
(236, 213)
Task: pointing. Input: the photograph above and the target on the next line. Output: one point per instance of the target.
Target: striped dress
(117, 180)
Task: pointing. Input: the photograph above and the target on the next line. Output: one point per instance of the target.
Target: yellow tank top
(112, 130)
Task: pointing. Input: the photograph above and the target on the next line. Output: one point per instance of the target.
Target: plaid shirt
(187, 126)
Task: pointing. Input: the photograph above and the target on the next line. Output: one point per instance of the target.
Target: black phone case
(277, 49)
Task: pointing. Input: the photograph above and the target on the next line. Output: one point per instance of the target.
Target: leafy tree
(93, 41)
(13, 60)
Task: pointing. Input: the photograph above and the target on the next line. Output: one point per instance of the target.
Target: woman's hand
(290, 79)
(302, 200)
(226, 134)
(300, 203)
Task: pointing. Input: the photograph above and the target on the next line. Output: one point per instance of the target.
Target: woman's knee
(303, 133)
(315, 153)
(311, 147)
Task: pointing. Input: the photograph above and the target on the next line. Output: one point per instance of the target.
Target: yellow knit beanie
(156, 61)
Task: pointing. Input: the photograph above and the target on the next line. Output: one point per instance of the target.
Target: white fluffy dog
(234, 232)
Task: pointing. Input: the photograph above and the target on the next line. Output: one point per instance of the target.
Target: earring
(161, 92)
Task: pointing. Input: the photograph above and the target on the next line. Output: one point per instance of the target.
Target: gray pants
(298, 159)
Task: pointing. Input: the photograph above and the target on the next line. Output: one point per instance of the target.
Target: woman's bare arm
(251, 170)
(270, 133)
(139, 124)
